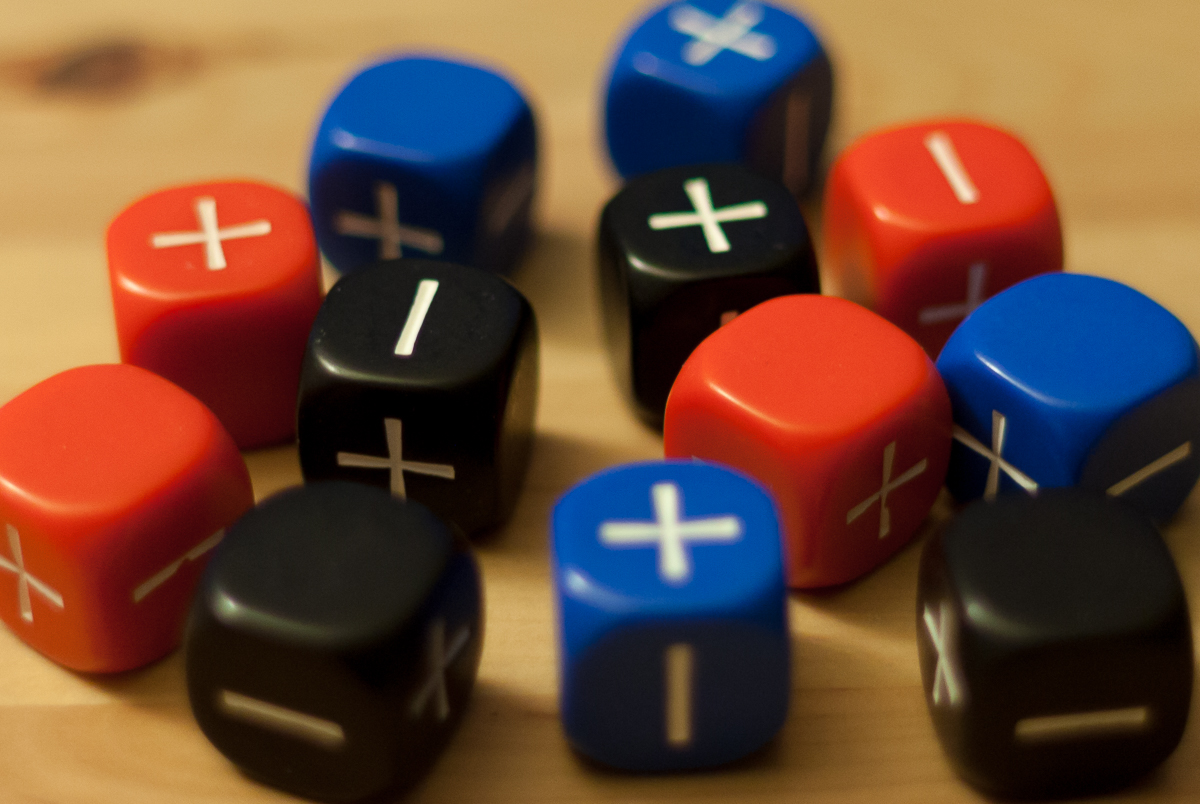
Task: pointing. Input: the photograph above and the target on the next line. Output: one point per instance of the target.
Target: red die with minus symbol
(215, 287)
(926, 221)
(837, 411)
(115, 485)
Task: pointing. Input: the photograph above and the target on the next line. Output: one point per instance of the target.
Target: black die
(334, 641)
(421, 377)
(1055, 644)
(681, 252)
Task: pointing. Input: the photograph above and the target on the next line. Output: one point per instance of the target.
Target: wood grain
(103, 102)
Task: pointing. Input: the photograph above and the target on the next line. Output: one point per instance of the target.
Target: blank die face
(215, 287)
(421, 377)
(836, 411)
(1054, 643)
(683, 251)
(924, 222)
(673, 630)
(334, 643)
(114, 487)
(768, 91)
(1065, 379)
(424, 158)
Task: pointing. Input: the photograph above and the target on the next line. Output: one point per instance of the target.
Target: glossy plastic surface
(115, 485)
(839, 413)
(672, 616)
(424, 157)
(215, 287)
(719, 81)
(925, 221)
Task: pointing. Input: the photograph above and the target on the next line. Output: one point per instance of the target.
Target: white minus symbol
(416, 317)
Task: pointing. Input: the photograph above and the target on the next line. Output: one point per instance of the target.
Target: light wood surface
(1104, 93)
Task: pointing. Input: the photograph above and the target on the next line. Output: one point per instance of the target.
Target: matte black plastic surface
(464, 397)
(334, 641)
(665, 290)
(1055, 644)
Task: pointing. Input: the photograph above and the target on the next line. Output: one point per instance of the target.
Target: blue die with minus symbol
(673, 634)
(720, 81)
(424, 157)
(1074, 380)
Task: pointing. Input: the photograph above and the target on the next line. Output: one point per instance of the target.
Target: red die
(215, 287)
(839, 413)
(924, 222)
(114, 486)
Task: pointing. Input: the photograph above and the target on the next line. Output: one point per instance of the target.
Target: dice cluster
(335, 634)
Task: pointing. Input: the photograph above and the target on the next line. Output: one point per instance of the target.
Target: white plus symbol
(210, 234)
(708, 219)
(437, 658)
(711, 35)
(387, 227)
(885, 516)
(946, 675)
(994, 455)
(669, 532)
(976, 276)
(24, 579)
(395, 460)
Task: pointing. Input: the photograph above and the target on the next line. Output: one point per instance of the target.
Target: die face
(683, 251)
(116, 487)
(926, 221)
(1159, 437)
(334, 644)
(672, 618)
(1047, 674)
(422, 156)
(718, 81)
(851, 432)
(421, 377)
(1040, 373)
(197, 271)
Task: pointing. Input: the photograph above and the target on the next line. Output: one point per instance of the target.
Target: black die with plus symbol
(334, 641)
(681, 252)
(421, 377)
(1055, 644)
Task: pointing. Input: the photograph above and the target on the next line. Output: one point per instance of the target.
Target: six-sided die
(673, 636)
(925, 221)
(214, 287)
(421, 377)
(683, 251)
(334, 641)
(115, 486)
(720, 81)
(424, 157)
(1055, 644)
(836, 411)
(1067, 380)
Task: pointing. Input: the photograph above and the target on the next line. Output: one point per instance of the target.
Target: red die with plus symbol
(923, 222)
(115, 485)
(215, 287)
(838, 412)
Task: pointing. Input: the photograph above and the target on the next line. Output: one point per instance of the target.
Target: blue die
(421, 157)
(1072, 380)
(672, 616)
(720, 81)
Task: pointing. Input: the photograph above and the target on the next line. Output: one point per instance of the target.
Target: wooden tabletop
(101, 103)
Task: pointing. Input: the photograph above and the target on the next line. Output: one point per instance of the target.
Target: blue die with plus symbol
(720, 81)
(673, 635)
(424, 157)
(1074, 380)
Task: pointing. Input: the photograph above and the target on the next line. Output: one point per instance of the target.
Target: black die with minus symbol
(1055, 644)
(683, 251)
(421, 377)
(334, 641)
